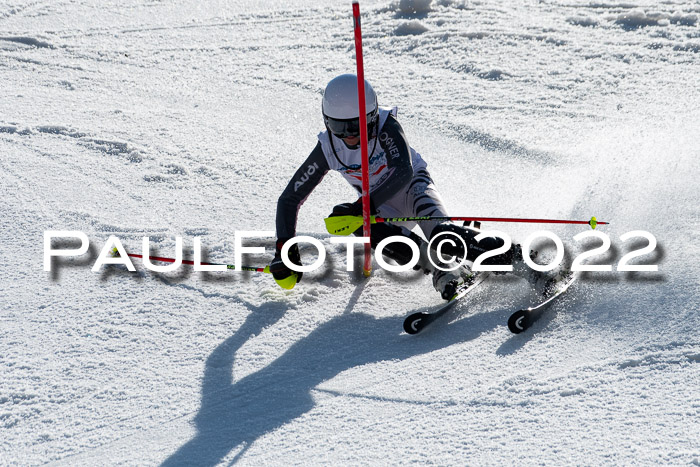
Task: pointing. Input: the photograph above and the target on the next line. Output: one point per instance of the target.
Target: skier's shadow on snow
(233, 414)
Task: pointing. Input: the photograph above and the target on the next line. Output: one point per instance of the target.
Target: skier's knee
(397, 251)
(455, 247)
(453, 240)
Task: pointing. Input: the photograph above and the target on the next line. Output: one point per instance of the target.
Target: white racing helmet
(340, 107)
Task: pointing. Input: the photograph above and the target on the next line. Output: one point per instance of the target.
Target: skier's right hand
(285, 277)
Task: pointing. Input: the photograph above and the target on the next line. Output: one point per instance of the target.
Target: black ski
(523, 319)
(416, 322)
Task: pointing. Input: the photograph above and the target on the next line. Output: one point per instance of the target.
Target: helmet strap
(375, 130)
(330, 138)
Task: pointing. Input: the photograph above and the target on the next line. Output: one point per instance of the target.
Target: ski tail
(523, 319)
(416, 322)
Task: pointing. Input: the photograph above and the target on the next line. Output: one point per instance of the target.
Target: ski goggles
(351, 127)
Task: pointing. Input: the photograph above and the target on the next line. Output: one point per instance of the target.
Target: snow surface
(163, 119)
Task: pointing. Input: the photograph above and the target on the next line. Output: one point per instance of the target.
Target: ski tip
(518, 322)
(416, 322)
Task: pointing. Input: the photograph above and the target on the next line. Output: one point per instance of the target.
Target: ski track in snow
(185, 119)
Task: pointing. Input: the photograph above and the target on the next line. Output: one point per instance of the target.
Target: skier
(400, 186)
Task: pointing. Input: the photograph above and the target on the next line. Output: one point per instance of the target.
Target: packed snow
(165, 119)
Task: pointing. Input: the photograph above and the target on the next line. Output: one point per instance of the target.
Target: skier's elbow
(404, 174)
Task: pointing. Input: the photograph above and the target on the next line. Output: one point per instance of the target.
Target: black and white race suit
(400, 185)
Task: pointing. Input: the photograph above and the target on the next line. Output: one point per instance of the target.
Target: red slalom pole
(367, 269)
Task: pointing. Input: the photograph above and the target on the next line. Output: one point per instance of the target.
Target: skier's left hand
(351, 209)
(285, 277)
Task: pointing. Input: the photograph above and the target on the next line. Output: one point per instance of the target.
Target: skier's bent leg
(397, 251)
(400, 252)
(446, 276)
(455, 247)
(543, 283)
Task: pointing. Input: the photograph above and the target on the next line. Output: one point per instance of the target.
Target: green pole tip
(593, 222)
(288, 282)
